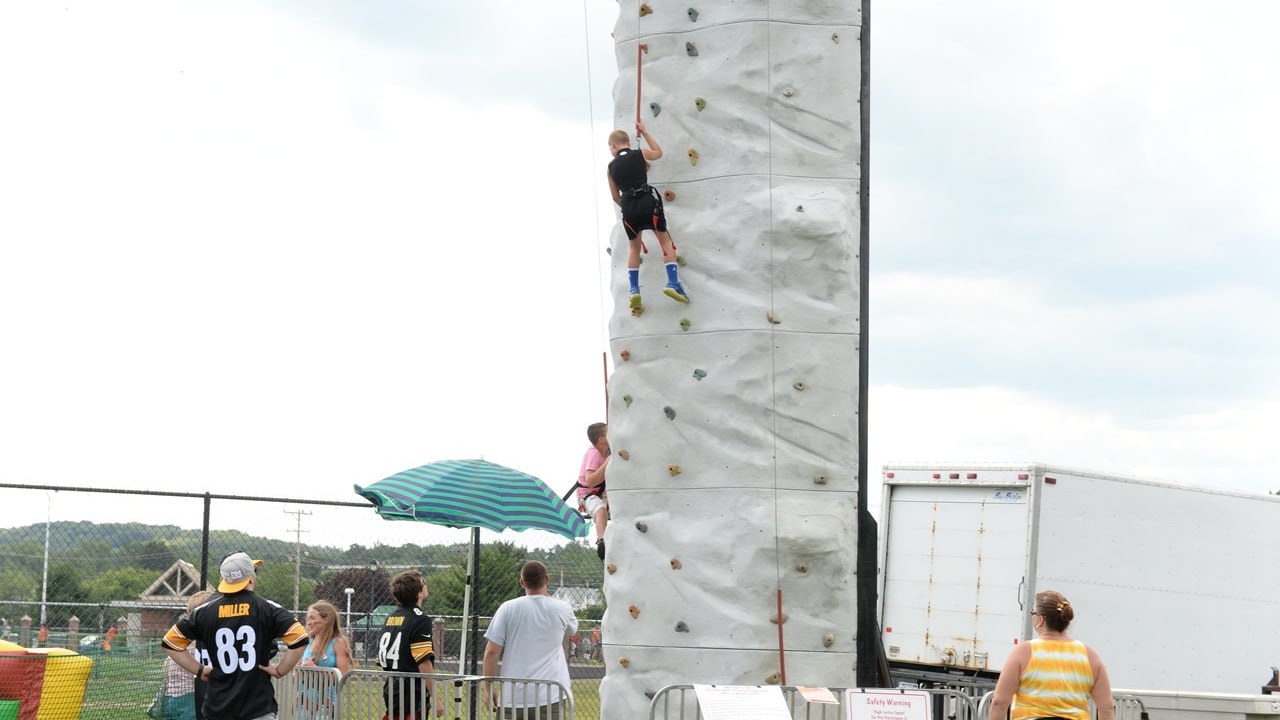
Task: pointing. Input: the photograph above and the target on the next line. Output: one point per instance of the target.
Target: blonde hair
(331, 629)
(197, 600)
(620, 137)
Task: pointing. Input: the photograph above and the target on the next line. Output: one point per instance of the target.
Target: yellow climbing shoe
(675, 291)
(637, 307)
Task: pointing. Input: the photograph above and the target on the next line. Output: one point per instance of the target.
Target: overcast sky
(287, 247)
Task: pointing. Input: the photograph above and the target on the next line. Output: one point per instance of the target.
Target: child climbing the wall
(641, 209)
(592, 497)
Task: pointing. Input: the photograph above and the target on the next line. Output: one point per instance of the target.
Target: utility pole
(297, 552)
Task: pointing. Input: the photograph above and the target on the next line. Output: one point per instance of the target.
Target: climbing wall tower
(734, 420)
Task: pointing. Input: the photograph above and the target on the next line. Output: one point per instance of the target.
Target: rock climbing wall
(733, 419)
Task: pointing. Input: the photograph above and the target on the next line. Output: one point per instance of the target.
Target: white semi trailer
(1177, 587)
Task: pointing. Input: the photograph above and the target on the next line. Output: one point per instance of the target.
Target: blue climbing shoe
(637, 307)
(676, 292)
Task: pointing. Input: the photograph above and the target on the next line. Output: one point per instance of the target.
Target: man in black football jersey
(406, 646)
(236, 631)
(641, 210)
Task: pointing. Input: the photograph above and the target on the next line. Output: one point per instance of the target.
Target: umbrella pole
(474, 608)
(464, 652)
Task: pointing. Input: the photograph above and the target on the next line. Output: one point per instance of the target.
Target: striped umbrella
(473, 494)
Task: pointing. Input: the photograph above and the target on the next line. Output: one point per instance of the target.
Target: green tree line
(98, 564)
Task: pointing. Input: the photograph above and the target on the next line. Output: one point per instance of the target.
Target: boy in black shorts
(641, 209)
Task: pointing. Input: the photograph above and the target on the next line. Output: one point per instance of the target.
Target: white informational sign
(741, 702)
(887, 704)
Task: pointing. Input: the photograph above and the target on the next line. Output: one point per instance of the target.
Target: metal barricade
(309, 693)
(680, 702)
(1128, 707)
(374, 693)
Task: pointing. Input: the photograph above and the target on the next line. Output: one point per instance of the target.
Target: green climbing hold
(689, 48)
(693, 15)
(699, 373)
(626, 400)
(684, 323)
(670, 412)
(656, 108)
(700, 104)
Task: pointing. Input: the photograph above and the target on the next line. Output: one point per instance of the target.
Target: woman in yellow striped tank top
(1053, 676)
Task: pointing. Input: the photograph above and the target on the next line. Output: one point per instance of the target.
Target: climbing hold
(700, 104)
(645, 9)
(684, 323)
(642, 526)
(635, 611)
(608, 251)
(611, 568)
(773, 679)
(637, 310)
(682, 627)
(624, 454)
(799, 208)
(655, 108)
(802, 568)
(680, 260)
(626, 355)
(788, 92)
(668, 195)
(670, 412)
(835, 38)
(626, 400)
(693, 15)
(691, 49)
(828, 640)
(699, 373)
(693, 156)
(820, 480)
(624, 661)
(676, 564)
(774, 618)
(798, 385)
(674, 470)
(774, 318)
(649, 694)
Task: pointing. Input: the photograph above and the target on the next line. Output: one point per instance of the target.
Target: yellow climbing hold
(611, 568)
(624, 661)
(773, 319)
(645, 9)
(674, 470)
(693, 156)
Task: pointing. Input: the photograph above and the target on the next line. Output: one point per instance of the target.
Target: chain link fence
(100, 589)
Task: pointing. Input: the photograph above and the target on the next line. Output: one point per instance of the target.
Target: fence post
(73, 633)
(24, 631)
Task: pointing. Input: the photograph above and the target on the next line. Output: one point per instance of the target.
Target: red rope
(782, 657)
(641, 49)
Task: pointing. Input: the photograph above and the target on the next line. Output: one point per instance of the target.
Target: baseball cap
(237, 570)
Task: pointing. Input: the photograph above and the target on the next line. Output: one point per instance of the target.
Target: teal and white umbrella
(471, 494)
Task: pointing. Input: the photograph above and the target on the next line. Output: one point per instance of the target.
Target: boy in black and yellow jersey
(236, 631)
(405, 645)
